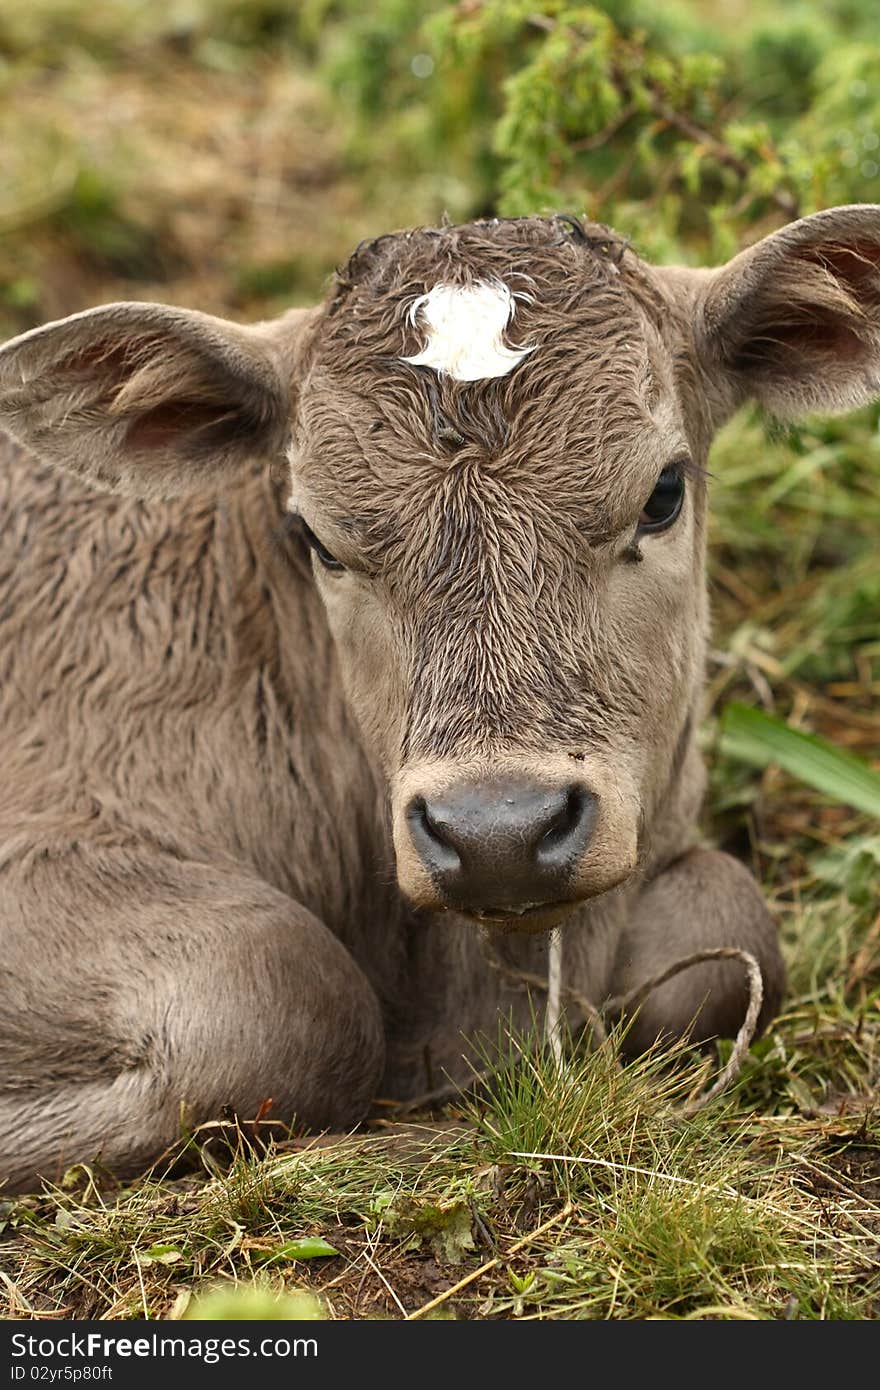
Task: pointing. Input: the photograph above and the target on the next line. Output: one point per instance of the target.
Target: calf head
(496, 437)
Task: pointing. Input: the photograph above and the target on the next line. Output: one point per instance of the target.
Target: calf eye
(327, 560)
(664, 504)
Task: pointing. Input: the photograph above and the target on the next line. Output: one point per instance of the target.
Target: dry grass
(147, 162)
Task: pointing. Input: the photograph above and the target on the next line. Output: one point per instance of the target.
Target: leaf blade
(303, 1248)
(760, 739)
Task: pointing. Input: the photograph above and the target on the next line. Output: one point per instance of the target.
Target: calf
(334, 646)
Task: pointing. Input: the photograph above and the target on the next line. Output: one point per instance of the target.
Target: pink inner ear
(111, 365)
(805, 316)
(832, 336)
(857, 264)
(171, 421)
(114, 359)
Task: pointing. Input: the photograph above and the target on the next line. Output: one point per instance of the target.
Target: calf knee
(271, 1007)
(703, 901)
(289, 1015)
(200, 992)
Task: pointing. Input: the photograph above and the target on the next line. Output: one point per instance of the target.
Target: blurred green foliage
(685, 125)
(688, 126)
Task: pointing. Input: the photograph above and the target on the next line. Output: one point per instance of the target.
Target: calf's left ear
(794, 321)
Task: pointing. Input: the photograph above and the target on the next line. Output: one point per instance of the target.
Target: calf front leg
(138, 990)
(704, 900)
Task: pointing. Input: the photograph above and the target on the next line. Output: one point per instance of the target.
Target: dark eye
(664, 504)
(323, 554)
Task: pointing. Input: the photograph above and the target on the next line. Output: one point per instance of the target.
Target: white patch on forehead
(465, 327)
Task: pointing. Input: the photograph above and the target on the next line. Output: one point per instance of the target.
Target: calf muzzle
(504, 848)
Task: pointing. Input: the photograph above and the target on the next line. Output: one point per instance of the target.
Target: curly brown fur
(208, 891)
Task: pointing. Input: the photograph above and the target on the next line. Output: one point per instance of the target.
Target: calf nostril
(561, 822)
(430, 839)
(569, 829)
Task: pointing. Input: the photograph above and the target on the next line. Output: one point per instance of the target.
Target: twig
(637, 996)
(491, 1264)
(595, 142)
(525, 977)
(621, 1168)
(553, 1012)
(17, 1299)
(141, 1282)
(377, 1271)
(660, 108)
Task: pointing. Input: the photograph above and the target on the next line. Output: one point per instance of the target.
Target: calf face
(496, 438)
(508, 513)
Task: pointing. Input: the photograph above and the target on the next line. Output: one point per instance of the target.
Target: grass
(577, 1196)
(203, 165)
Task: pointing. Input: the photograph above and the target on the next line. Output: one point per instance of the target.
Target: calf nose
(502, 847)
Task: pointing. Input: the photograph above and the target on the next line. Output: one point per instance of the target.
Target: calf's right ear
(147, 399)
(794, 321)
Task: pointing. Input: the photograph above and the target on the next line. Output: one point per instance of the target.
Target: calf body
(267, 808)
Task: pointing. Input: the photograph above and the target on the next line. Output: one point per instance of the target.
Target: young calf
(262, 802)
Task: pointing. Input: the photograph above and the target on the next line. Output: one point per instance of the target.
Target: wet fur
(198, 900)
